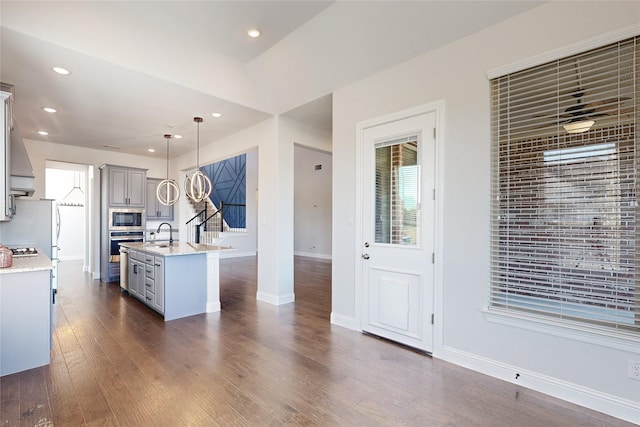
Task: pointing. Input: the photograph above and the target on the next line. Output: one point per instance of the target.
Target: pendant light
(198, 186)
(168, 191)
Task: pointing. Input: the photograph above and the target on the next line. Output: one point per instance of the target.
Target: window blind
(564, 210)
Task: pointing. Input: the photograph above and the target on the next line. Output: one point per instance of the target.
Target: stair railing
(200, 223)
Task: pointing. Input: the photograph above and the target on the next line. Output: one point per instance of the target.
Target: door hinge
(433, 257)
(432, 318)
(434, 194)
(434, 133)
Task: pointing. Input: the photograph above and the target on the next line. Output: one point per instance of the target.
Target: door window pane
(397, 192)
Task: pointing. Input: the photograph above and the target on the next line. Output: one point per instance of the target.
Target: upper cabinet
(125, 187)
(5, 153)
(156, 211)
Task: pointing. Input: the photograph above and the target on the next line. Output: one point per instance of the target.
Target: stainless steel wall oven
(117, 237)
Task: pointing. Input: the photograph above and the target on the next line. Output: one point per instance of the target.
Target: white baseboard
(602, 402)
(212, 307)
(344, 321)
(234, 254)
(95, 275)
(313, 255)
(275, 299)
(71, 258)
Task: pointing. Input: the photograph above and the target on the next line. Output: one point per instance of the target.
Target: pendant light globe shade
(198, 186)
(168, 190)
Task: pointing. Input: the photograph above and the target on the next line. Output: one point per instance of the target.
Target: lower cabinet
(174, 285)
(146, 279)
(158, 298)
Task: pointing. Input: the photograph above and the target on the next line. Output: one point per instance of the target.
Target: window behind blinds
(564, 229)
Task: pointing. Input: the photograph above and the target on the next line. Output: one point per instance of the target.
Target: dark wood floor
(115, 362)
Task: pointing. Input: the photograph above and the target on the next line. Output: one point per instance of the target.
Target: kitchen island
(176, 280)
(25, 314)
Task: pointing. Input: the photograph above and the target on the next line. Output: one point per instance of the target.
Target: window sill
(601, 336)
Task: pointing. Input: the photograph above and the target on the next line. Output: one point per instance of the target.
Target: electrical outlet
(634, 369)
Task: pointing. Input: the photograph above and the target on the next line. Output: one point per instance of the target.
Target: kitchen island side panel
(25, 321)
(185, 285)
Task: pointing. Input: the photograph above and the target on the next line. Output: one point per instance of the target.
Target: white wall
(590, 374)
(312, 203)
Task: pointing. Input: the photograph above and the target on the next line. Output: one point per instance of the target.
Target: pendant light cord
(167, 137)
(198, 120)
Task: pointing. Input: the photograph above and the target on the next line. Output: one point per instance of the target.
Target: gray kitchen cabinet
(156, 211)
(158, 300)
(161, 281)
(146, 279)
(136, 275)
(126, 186)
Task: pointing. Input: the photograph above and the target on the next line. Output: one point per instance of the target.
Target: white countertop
(25, 264)
(178, 248)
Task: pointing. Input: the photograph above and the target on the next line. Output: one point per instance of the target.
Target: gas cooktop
(17, 252)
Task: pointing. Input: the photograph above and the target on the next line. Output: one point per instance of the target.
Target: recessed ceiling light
(151, 150)
(61, 70)
(43, 132)
(216, 115)
(49, 109)
(177, 136)
(253, 33)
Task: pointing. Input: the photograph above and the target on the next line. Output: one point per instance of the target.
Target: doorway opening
(68, 185)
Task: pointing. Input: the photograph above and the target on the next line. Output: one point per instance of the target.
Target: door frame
(437, 107)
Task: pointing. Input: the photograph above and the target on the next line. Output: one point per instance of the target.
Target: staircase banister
(196, 216)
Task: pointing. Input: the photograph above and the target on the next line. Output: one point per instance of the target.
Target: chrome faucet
(170, 232)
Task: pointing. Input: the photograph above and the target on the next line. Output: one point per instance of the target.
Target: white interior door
(398, 230)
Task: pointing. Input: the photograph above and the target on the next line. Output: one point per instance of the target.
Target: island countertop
(178, 248)
(28, 263)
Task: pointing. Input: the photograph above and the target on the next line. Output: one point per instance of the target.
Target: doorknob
(365, 256)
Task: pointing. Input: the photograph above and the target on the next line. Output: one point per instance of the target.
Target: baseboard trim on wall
(602, 402)
(275, 299)
(213, 307)
(313, 255)
(233, 254)
(344, 321)
(71, 258)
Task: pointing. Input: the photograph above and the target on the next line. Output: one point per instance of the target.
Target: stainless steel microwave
(126, 219)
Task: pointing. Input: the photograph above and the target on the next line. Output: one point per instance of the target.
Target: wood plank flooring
(117, 363)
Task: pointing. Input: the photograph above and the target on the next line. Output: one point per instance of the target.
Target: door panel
(398, 230)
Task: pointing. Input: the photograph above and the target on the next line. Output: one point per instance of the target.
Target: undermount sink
(156, 245)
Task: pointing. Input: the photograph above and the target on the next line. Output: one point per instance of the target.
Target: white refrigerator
(36, 223)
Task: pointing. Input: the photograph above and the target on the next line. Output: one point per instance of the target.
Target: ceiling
(142, 69)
